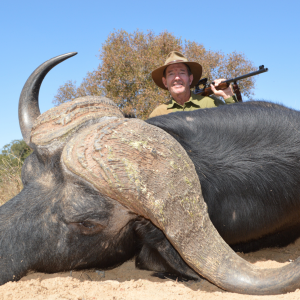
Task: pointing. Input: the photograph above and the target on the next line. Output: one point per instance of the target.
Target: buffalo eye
(87, 224)
(86, 227)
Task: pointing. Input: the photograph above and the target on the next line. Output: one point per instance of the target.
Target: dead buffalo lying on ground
(100, 189)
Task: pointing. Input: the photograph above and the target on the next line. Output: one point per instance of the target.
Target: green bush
(10, 178)
(11, 162)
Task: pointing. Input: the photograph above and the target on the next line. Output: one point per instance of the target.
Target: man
(178, 75)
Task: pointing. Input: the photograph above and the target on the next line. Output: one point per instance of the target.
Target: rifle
(206, 90)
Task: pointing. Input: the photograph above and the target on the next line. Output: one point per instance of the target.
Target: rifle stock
(208, 91)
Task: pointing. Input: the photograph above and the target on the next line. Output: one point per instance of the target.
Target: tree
(127, 60)
(16, 151)
(11, 161)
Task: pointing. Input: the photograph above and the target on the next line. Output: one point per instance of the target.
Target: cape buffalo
(100, 189)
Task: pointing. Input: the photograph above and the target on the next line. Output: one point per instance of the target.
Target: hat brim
(196, 70)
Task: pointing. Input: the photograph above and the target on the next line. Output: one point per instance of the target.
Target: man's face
(177, 79)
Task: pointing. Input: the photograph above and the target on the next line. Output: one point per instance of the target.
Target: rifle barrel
(261, 70)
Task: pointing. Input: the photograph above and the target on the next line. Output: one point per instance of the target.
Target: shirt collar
(172, 103)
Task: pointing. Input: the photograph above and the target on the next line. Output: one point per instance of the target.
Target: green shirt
(195, 102)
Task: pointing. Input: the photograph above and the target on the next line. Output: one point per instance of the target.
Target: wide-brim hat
(175, 57)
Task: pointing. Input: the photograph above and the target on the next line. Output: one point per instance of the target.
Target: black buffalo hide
(247, 157)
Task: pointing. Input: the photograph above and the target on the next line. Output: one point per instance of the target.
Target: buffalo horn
(29, 98)
(148, 171)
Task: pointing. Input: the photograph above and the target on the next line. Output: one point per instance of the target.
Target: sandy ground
(126, 282)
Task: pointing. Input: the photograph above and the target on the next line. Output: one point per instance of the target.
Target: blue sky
(35, 31)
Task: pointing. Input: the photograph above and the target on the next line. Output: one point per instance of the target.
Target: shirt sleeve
(231, 99)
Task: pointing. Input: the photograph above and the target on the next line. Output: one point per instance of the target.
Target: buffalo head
(92, 178)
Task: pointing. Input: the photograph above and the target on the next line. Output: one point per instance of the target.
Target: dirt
(126, 282)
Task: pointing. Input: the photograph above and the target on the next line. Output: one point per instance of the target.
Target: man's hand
(223, 93)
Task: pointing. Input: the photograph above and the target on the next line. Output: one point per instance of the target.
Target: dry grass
(10, 178)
